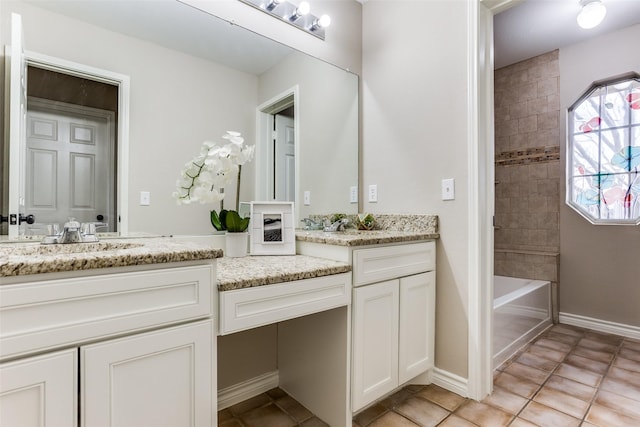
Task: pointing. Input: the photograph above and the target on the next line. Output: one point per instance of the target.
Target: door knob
(29, 219)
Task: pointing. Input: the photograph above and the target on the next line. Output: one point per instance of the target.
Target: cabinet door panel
(161, 378)
(40, 391)
(417, 321)
(375, 342)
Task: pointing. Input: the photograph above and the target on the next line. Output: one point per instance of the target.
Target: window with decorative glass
(603, 165)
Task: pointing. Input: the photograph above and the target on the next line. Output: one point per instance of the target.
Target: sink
(72, 248)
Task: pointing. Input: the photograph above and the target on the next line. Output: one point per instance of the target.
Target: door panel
(164, 378)
(285, 159)
(43, 189)
(417, 323)
(70, 172)
(375, 342)
(40, 391)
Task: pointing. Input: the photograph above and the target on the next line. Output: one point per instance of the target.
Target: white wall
(599, 267)
(177, 101)
(328, 110)
(414, 120)
(343, 41)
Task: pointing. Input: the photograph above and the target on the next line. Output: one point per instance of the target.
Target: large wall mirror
(193, 76)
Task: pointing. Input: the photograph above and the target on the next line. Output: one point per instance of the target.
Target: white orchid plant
(204, 178)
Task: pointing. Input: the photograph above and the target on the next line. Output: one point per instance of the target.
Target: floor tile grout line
(613, 359)
(558, 363)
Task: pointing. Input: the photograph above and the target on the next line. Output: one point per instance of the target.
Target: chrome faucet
(337, 226)
(73, 232)
(70, 232)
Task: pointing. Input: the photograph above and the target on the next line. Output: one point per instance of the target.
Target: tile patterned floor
(568, 376)
(274, 408)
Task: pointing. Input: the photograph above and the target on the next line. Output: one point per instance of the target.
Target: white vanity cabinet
(392, 313)
(393, 320)
(160, 378)
(124, 348)
(40, 390)
(392, 340)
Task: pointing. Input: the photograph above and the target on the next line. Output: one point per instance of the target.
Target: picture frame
(272, 230)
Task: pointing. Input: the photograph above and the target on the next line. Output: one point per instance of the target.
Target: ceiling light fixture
(298, 16)
(591, 14)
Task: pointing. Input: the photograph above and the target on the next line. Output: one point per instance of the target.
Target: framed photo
(272, 229)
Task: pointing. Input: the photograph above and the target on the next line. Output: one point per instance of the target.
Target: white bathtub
(521, 310)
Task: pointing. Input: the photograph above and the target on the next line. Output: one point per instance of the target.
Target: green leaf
(218, 221)
(236, 224)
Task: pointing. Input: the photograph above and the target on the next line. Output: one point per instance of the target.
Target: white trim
(451, 382)
(237, 393)
(600, 325)
(123, 83)
(497, 6)
(480, 183)
(264, 129)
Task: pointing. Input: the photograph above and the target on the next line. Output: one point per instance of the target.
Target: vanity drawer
(381, 263)
(248, 308)
(38, 316)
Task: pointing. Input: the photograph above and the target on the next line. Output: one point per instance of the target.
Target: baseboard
(451, 382)
(245, 390)
(599, 325)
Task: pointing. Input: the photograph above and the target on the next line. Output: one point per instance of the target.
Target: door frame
(481, 148)
(122, 148)
(264, 134)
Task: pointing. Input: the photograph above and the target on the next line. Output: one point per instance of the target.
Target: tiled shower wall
(527, 168)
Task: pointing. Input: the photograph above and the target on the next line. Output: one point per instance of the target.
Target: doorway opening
(277, 149)
(71, 150)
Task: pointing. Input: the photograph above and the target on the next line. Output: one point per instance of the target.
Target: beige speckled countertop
(17, 259)
(390, 228)
(250, 271)
(362, 238)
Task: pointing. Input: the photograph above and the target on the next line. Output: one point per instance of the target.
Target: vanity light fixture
(299, 16)
(272, 4)
(303, 9)
(591, 14)
(323, 22)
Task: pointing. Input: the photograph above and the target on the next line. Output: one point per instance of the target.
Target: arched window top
(603, 167)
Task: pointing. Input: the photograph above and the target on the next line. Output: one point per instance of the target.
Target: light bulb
(324, 21)
(592, 14)
(303, 9)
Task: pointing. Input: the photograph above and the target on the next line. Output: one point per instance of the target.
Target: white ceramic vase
(236, 244)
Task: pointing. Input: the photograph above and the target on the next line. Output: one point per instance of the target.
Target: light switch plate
(373, 193)
(145, 198)
(448, 189)
(307, 198)
(353, 194)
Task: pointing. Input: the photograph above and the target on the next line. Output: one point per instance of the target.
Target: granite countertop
(251, 271)
(362, 238)
(17, 259)
(390, 228)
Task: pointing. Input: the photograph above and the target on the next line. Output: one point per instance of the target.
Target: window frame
(571, 174)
